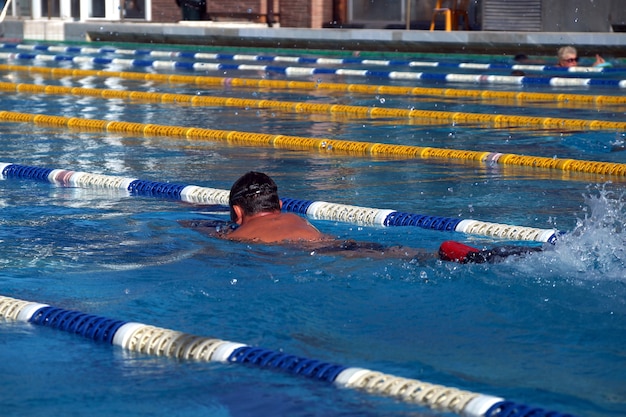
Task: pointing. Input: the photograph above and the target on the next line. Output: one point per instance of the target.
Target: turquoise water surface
(546, 330)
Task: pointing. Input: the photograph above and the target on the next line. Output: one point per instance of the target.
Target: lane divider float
(156, 341)
(308, 71)
(237, 138)
(505, 96)
(159, 53)
(319, 210)
(496, 120)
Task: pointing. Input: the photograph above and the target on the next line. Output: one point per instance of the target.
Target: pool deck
(260, 36)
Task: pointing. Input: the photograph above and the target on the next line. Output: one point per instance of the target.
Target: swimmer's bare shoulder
(286, 228)
(276, 228)
(315, 243)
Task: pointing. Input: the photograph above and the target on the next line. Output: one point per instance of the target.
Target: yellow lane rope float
(320, 144)
(496, 120)
(507, 96)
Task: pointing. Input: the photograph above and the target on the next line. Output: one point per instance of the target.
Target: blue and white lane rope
(319, 210)
(301, 60)
(151, 340)
(307, 71)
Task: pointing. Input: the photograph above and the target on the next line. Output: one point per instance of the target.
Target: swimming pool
(546, 331)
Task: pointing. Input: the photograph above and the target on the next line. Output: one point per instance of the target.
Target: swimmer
(256, 216)
(256, 208)
(523, 59)
(568, 57)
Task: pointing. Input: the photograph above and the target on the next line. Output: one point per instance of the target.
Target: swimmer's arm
(599, 60)
(213, 228)
(352, 249)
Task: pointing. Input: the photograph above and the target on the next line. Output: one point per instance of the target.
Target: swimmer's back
(277, 227)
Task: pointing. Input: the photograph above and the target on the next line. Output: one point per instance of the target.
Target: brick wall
(321, 13)
(305, 13)
(293, 13)
(165, 11)
(236, 6)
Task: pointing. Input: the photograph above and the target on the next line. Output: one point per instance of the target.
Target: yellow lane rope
(496, 120)
(507, 96)
(320, 144)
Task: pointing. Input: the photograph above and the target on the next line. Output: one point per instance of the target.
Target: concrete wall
(578, 15)
(618, 14)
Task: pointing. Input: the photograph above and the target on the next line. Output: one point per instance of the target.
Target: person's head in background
(567, 56)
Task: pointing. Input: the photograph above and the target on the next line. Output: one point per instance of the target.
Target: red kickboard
(455, 251)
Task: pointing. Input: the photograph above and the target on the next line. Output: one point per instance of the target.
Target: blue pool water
(547, 330)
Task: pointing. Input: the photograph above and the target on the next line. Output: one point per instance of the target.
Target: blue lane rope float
(301, 60)
(156, 341)
(320, 210)
(504, 97)
(308, 71)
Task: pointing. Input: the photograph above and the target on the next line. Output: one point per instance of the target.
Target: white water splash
(596, 248)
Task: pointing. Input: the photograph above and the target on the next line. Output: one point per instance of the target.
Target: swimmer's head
(520, 58)
(254, 192)
(567, 56)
